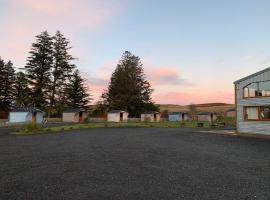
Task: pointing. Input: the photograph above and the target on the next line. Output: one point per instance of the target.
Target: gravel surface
(142, 163)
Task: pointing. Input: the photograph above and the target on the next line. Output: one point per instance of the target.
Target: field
(219, 108)
(129, 163)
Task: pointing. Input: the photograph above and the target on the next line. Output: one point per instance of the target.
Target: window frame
(243, 90)
(259, 109)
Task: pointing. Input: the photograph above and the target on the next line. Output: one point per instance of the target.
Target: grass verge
(37, 129)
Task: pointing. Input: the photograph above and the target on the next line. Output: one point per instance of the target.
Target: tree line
(50, 81)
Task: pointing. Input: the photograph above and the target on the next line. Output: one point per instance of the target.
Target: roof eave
(252, 75)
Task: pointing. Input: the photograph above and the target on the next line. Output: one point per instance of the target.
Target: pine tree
(7, 77)
(128, 89)
(38, 69)
(77, 92)
(22, 91)
(61, 72)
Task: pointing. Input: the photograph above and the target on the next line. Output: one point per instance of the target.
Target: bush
(229, 121)
(86, 120)
(30, 128)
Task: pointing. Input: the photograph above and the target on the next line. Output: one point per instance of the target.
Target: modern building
(178, 116)
(231, 113)
(25, 114)
(150, 116)
(117, 116)
(207, 117)
(252, 99)
(75, 115)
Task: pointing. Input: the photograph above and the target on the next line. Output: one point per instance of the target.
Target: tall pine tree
(38, 69)
(22, 91)
(128, 89)
(77, 92)
(7, 77)
(61, 72)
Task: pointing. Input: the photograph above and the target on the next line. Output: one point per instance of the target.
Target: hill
(219, 108)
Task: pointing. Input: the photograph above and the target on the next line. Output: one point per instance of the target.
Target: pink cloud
(168, 85)
(24, 19)
(165, 76)
(72, 13)
(185, 98)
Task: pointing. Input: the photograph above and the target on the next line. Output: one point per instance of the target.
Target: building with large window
(252, 98)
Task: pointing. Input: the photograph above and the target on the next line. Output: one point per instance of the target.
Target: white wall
(113, 117)
(21, 117)
(70, 117)
(39, 117)
(18, 117)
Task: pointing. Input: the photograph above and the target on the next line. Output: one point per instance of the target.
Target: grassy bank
(37, 129)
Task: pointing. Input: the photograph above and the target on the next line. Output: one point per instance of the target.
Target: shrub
(182, 124)
(30, 128)
(86, 120)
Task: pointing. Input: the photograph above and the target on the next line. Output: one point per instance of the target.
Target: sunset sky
(192, 51)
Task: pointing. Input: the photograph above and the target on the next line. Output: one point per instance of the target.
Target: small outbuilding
(231, 113)
(75, 115)
(150, 116)
(178, 116)
(207, 117)
(117, 116)
(26, 115)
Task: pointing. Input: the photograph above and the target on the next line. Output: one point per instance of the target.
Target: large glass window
(261, 113)
(251, 113)
(265, 113)
(264, 88)
(258, 89)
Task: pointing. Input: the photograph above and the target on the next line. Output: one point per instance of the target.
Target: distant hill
(219, 108)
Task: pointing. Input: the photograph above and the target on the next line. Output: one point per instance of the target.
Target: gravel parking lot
(138, 163)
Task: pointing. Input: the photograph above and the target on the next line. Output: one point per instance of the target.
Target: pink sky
(184, 61)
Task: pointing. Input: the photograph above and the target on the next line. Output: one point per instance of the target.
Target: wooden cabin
(150, 116)
(230, 113)
(26, 115)
(117, 116)
(207, 117)
(178, 116)
(75, 115)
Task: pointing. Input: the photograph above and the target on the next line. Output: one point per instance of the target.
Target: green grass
(33, 129)
(30, 128)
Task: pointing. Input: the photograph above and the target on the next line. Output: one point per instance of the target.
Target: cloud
(96, 85)
(74, 13)
(161, 79)
(165, 76)
(185, 98)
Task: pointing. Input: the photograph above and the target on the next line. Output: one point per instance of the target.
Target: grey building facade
(252, 99)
